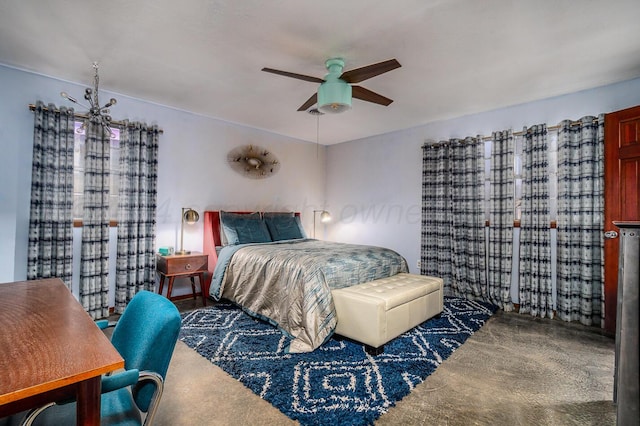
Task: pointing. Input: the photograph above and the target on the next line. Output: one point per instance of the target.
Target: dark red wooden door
(621, 198)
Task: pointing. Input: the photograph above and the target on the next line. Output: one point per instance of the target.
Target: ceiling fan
(336, 89)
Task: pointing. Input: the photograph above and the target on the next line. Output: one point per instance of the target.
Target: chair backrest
(145, 336)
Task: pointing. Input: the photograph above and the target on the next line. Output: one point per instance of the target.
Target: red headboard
(212, 238)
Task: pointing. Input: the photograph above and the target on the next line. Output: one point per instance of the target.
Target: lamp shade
(325, 216)
(191, 216)
(334, 96)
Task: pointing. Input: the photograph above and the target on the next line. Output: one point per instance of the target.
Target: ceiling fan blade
(363, 94)
(311, 101)
(364, 73)
(294, 75)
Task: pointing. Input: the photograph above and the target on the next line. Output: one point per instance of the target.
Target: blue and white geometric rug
(338, 383)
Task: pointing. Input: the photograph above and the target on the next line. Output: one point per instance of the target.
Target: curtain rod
(32, 107)
(432, 143)
(556, 127)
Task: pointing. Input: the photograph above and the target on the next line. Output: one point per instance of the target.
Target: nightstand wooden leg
(170, 288)
(203, 289)
(193, 287)
(161, 284)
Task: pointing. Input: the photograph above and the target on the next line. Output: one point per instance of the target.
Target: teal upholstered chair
(145, 336)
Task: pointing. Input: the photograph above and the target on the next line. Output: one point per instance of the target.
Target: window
(518, 152)
(553, 175)
(487, 180)
(78, 174)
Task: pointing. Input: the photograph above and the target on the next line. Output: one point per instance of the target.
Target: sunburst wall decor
(253, 161)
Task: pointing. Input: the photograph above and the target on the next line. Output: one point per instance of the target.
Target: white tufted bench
(375, 312)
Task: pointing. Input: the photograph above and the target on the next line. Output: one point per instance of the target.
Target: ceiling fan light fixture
(335, 91)
(334, 97)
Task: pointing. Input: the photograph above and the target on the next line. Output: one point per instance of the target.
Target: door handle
(610, 235)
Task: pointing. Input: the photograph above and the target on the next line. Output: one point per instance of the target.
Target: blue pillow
(284, 227)
(244, 228)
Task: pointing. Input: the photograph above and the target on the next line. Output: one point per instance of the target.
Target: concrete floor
(515, 370)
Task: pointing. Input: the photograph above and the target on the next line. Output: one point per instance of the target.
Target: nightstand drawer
(182, 264)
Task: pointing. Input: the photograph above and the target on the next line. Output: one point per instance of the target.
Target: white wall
(193, 171)
(374, 184)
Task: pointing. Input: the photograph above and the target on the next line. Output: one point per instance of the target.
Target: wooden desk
(189, 265)
(50, 350)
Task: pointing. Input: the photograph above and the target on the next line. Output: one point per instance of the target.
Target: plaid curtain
(452, 236)
(500, 249)
(580, 278)
(435, 239)
(135, 266)
(94, 261)
(536, 292)
(50, 248)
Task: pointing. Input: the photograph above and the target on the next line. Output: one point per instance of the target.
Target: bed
(287, 282)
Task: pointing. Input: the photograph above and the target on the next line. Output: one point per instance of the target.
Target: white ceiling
(458, 56)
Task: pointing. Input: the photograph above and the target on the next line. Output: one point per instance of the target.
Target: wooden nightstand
(183, 266)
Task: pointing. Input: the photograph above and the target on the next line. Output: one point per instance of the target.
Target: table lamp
(190, 217)
(325, 217)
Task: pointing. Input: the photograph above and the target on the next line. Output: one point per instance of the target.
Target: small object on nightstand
(183, 266)
(165, 251)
